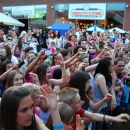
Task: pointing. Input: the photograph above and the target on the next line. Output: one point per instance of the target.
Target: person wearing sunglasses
(8, 38)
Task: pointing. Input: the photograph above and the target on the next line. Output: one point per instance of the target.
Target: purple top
(18, 52)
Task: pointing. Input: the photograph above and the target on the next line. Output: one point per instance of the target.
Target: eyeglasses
(9, 39)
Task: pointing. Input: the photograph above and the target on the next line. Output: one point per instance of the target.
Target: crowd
(73, 82)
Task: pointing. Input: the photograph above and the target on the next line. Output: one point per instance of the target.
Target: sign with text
(26, 11)
(93, 11)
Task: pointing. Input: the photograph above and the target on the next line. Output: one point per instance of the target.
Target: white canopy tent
(6, 20)
(117, 29)
(97, 29)
(49, 27)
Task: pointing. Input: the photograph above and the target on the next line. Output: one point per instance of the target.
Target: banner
(26, 11)
(93, 11)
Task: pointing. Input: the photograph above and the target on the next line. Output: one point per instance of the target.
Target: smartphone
(21, 63)
(47, 52)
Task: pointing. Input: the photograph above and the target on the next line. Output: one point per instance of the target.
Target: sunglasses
(9, 39)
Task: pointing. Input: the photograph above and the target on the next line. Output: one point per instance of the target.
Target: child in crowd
(52, 47)
(72, 98)
(34, 44)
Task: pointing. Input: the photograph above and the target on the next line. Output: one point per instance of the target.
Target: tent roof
(97, 29)
(6, 20)
(117, 29)
(61, 26)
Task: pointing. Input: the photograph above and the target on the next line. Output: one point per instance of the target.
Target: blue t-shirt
(126, 93)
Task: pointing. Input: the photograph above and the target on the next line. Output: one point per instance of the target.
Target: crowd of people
(73, 82)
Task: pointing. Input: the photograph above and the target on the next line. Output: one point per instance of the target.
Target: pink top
(36, 111)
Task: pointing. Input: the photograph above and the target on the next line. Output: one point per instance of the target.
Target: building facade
(47, 12)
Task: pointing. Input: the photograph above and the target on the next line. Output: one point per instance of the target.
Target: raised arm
(33, 64)
(50, 99)
(4, 75)
(64, 75)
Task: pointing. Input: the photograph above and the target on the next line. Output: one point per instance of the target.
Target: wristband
(58, 126)
(104, 118)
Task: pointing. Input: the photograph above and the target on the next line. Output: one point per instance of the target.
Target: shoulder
(100, 76)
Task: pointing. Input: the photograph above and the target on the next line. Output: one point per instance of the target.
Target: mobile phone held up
(21, 63)
(47, 52)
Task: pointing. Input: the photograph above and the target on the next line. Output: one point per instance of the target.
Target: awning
(6, 20)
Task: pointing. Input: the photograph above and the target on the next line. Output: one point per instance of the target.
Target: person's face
(36, 100)
(29, 32)
(48, 74)
(9, 32)
(34, 30)
(18, 80)
(9, 39)
(87, 85)
(119, 67)
(80, 50)
(30, 55)
(8, 66)
(72, 38)
(91, 94)
(37, 30)
(52, 35)
(56, 32)
(68, 125)
(77, 103)
(85, 60)
(24, 113)
(111, 66)
(67, 57)
(2, 52)
(125, 59)
(83, 44)
(13, 35)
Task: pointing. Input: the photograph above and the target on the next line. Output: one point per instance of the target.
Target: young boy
(72, 98)
(34, 44)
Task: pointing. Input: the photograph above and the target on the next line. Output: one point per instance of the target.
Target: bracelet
(58, 126)
(104, 118)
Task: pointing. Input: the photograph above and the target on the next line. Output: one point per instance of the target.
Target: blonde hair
(67, 95)
(32, 88)
(66, 112)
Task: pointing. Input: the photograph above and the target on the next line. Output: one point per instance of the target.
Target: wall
(50, 3)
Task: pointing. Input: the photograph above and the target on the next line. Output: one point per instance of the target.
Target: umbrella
(95, 29)
(6, 20)
(117, 29)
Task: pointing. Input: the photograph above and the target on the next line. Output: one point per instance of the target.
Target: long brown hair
(11, 100)
(10, 78)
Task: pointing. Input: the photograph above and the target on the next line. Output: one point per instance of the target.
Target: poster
(88, 11)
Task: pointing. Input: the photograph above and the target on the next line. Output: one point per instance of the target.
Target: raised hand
(108, 97)
(79, 123)
(49, 96)
(41, 54)
(122, 118)
(16, 66)
(35, 78)
(60, 60)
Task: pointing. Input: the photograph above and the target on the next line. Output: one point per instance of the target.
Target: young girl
(35, 94)
(19, 109)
